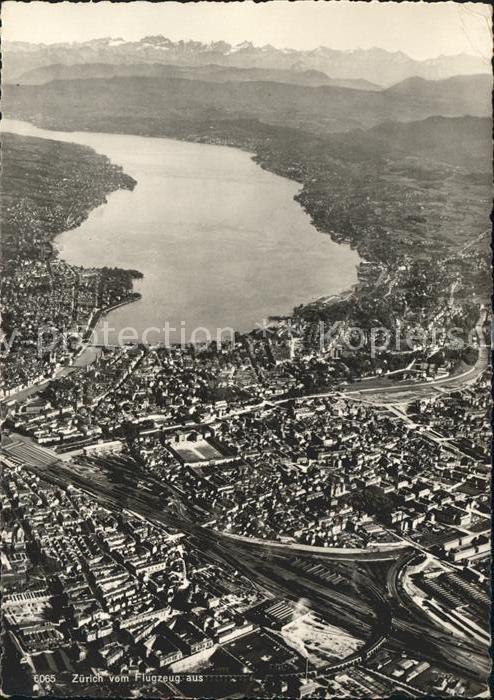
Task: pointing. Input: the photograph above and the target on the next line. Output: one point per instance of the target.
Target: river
(220, 241)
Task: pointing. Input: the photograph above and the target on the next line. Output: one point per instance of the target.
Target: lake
(220, 241)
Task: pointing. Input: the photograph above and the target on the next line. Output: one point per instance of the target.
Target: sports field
(199, 451)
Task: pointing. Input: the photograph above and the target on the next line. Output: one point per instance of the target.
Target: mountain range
(375, 66)
(210, 72)
(320, 110)
(460, 141)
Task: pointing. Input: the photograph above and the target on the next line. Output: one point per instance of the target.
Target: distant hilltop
(376, 67)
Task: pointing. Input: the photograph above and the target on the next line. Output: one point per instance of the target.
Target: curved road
(466, 660)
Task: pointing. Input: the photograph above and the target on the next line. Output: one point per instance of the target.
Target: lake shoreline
(303, 299)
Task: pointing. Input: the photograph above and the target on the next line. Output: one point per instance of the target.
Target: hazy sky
(420, 29)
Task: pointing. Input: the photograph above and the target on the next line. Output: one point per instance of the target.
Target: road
(271, 575)
(358, 613)
(387, 391)
(87, 356)
(23, 448)
(362, 613)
